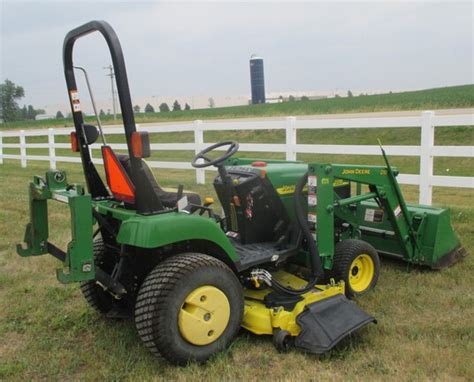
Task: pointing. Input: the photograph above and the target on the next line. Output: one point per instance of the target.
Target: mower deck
(315, 321)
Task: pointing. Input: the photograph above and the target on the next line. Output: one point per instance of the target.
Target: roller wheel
(188, 308)
(282, 340)
(358, 264)
(95, 295)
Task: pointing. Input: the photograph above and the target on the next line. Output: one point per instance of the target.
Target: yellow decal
(356, 171)
(340, 182)
(287, 190)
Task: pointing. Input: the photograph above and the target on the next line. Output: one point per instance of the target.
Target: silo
(257, 79)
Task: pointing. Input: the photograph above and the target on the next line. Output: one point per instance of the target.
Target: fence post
(198, 142)
(52, 150)
(22, 148)
(290, 130)
(1, 147)
(426, 157)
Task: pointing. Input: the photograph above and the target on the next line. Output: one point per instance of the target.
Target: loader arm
(324, 207)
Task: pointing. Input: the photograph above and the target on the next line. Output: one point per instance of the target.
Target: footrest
(325, 323)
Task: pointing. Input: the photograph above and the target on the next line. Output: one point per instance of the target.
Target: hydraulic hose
(316, 267)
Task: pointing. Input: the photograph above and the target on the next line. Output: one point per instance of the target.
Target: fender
(158, 230)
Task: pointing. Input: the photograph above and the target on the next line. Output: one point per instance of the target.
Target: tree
(164, 107)
(337, 96)
(176, 105)
(9, 95)
(31, 113)
(211, 102)
(22, 113)
(349, 94)
(149, 108)
(59, 115)
(187, 107)
(102, 113)
(304, 98)
(136, 109)
(291, 98)
(280, 99)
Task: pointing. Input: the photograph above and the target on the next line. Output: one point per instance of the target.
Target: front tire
(358, 264)
(189, 308)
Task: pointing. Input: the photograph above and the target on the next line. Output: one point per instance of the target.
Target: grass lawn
(425, 318)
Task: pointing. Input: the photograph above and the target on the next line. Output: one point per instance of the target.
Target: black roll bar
(145, 198)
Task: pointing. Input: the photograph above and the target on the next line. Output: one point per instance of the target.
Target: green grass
(425, 329)
(49, 333)
(438, 98)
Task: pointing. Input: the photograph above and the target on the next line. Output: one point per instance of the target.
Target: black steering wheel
(233, 148)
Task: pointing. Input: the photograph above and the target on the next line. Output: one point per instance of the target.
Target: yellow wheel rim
(204, 315)
(361, 273)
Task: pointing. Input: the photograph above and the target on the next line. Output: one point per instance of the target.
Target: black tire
(94, 294)
(162, 296)
(282, 340)
(346, 252)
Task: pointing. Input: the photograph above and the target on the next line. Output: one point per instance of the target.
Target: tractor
(294, 245)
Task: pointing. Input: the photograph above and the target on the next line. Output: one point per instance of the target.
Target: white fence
(427, 120)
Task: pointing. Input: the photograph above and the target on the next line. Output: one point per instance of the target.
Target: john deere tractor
(293, 246)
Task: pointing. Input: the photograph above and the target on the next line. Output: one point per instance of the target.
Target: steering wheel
(233, 148)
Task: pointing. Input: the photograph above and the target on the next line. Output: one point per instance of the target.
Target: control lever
(180, 192)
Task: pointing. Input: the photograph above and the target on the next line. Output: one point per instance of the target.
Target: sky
(202, 48)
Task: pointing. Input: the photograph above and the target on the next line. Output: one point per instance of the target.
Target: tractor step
(325, 323)
(260, 253)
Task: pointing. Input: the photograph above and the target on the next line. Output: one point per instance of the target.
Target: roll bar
(145, 198)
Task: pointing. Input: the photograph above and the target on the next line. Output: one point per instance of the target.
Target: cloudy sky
(202, 48)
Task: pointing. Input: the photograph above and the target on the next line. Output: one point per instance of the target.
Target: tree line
(10, 95)
(163, 108)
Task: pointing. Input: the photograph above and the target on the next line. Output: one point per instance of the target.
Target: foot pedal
(325, 323)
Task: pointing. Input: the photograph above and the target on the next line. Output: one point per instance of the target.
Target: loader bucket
(441, 246)
(438, 244)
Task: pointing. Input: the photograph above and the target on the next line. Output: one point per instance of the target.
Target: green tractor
(294, 245)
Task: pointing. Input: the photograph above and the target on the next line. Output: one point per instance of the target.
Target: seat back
(254, 212)
(168, 199)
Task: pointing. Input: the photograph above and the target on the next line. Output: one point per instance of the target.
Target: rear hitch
(78, 259)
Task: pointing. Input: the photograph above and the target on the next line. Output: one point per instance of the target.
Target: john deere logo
(356, 171)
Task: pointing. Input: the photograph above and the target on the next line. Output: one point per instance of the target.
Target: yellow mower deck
(316, 323)
(259, 319)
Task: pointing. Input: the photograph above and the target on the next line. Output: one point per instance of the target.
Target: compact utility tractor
(294, 244)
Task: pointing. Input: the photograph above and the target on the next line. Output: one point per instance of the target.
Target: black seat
(168, 199)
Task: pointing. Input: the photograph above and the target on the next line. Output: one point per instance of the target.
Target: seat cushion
(168, 199)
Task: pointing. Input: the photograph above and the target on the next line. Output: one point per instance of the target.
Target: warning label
(312, 218)
(373, 215)
(397, 211)
(312, 201)
(76, 104)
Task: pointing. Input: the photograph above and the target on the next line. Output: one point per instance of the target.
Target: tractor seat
(168, 199)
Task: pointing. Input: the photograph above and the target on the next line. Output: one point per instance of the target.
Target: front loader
(293, 246)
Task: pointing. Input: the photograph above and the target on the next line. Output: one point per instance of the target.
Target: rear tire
(358, 264)
(189, 308)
